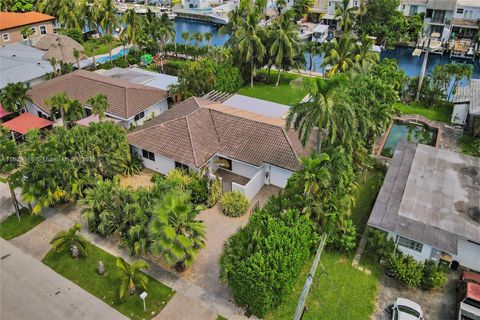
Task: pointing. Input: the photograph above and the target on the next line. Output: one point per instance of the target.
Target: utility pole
(424, 67)
(306, 287)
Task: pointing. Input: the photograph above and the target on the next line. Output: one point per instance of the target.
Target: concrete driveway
(438, 305)
(31, 290)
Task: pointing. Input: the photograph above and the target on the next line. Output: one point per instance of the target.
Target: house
(200, 4)
(464, 27)
(19, 126)
(467, 106)
(20, 63)
(323, 11)
(11, 24)
(429, 204)
(409, 8)
(130, 103)
(244, 149)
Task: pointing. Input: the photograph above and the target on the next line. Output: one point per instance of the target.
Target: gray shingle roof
(425, 195)
(196, 129)
(470, 94)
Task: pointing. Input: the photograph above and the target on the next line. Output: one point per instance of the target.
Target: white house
(429, 204)
(409, 8)
(129, 103)
(244, 149)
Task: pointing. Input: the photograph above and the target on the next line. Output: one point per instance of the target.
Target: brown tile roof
(10, 20)
(196, 129)
(126, 99)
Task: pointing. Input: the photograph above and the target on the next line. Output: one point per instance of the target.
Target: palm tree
(99, 104)
(361, 11)
(198, 37)
(340, 56)
(131, 20)
(108, 20)
(132, 276)
(175, 233)
(14, 97)
(319, 111)
(70, 109)
(286, 44)
(346, 15)
(364, 53)
(71, 240)
(208, 37)
(186, 37)
(315, 174)
(76, 55)
(26, 32)
(250, 46)
(54, 63)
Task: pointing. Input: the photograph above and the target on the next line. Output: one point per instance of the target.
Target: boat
(168, 11)
(320, 33)
(140, 9)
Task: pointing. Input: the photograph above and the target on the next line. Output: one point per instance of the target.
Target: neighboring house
(130, 104)
(438, 17)
(20, 63)
(200, 4)
(19, 126)
(467, 106)
(11, 24)
(429, 204)
(324, 11)
(465, 20)
(409, 8)
(197, 133)
(140, 76)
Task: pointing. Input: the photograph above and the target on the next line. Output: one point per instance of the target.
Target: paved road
(31, 290)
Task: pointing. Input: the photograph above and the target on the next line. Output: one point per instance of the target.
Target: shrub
(405, 269)
(215, 192)
(134, 166)
(234, 204)
(75, 34)
(433, 277)
(262, 261)
(379, 246)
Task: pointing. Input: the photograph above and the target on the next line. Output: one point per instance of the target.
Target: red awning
(473, 291)
(3, 112)
(25, 122)
(469, 276)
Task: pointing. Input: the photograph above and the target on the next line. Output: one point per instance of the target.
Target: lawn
(11, 227)
(83, 273)
(283, 94)
(469, 145)
(441, 113)
(343, 292)
(101, 48)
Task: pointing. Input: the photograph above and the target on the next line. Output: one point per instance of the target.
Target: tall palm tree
(131, 20)
(319, 111)
(198, 37)
(70, 240)
(361, 11)
(286, 44)
(316, 175)
(175, 233)
(364, 53)
(14, 97)
(9, 164)
(346, 15)
(165, 32)
(340, 56)
(186, 37)
(132, 276)
(108, 20)
(250, 46)
(208, 37)
(99, 104)
(70, 109)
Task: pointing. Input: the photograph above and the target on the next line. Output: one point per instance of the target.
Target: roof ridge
(191, 141)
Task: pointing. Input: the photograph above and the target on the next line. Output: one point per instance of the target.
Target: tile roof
(196, 129)
(26, 121)
(470, 94)
(126, 99)
(10, 20)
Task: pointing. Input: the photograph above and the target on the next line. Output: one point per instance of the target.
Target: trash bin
(454, 265)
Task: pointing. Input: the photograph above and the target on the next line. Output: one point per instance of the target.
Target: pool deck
(447, 136)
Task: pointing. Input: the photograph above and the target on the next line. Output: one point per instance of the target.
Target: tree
(76, 55)
(70, 240)
(132, 276)
(99, 104)
(364, 53)
(300, 8)
(208, 37)
(14, 97)
(70, 109)
(132, 22)
(18, 5)
(9, 162)
(340, 56)
(312, 49)
(175, 233)
(67, 12)
(346, 15)
(26, 32)
(198, 37)
(108, 20)
(250, 47)
(315, 174)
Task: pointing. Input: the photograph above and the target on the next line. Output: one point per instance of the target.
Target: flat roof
(263, 107)
(140, 76)
(428, 195)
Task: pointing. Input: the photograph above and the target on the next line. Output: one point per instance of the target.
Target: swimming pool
(410, 131)
(114, 56)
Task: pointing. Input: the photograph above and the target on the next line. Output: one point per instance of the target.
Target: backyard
(11, 227)
(441, 113)
(83, 272)
(283, 94)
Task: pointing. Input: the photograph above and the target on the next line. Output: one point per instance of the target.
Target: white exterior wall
(255, 184)
(155, 110)
(161, 163)
(468, 254)
(469, 13)
(33, 109)
(243, 169)
(405, 8)
(419, 256)
(279, 176)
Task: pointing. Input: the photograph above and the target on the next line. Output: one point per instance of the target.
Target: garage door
(468, 254)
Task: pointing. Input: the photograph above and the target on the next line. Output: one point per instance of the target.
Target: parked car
(404, 309)
(468, 296)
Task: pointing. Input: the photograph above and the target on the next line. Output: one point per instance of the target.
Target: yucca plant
(70, 240)
(132, 276)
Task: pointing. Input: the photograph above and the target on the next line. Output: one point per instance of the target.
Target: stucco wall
(151, 112)
(161, 163)
(278, 176)
(468, 254)
(16, 36)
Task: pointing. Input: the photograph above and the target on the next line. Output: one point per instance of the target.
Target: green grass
(352, 295)
(468, 147)
(100, 49)
(441, 113)
(11, 227)
(283, 94)
(83, 272)
(368, 186)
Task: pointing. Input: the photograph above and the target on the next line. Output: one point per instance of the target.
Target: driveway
(31, 290)
(6, 204)
(435, 305)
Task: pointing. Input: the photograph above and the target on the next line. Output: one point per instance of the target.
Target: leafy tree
(70, 240)
(14, 97)
(185, 37)
(65, 11)
(132, 276)
(300, 8)
(107, 18)
(346, 15)
(208, 37)
(132, 26)
(70, 109)
(364, 53)
(27, 32)
(9, 162)
(340, 56)
(18, 5)
(174, 232)
(99, 104)
(198, 38)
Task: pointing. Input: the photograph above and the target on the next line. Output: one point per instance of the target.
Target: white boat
(168, 11)
(320, 33)
(140, 9)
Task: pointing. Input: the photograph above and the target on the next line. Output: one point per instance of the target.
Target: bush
(405, 269)
(234, 204)
(134, 166)
(75, 34)
(193, 182)
(379, 246)
(215, 192)
(262, 261)
(433, 277)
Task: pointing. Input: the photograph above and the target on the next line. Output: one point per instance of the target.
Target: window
(139, 116)
(34, 30)
(181, 166)
(413, 10)
(225, 163)
(460, 10)
(6, 37)
(148, 155)
(43, 30)
(410, 244)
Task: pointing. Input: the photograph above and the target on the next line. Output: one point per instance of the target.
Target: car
(404, 309)
(468, 296)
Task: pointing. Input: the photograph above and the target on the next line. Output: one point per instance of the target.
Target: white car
(404, 309)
